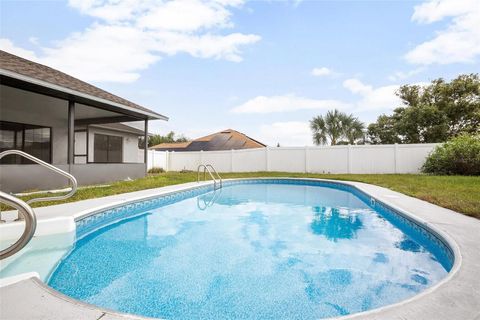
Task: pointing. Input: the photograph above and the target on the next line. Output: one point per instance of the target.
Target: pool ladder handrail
(206, 168)
(24, 209)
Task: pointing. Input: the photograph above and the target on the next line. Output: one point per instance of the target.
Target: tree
(383, 131)
(432, 113)
(319, 129)
(158, 139)
(334, 127)
(422, 124)
(353, 129)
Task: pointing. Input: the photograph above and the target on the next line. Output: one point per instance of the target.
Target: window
(32, 139)
(107, 148)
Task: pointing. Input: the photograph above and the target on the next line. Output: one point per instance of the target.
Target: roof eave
(133, 131)
(85, 96)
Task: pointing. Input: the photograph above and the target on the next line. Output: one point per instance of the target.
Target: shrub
(460, 155)
(156, 170)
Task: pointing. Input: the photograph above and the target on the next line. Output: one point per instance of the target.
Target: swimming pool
(270, 249)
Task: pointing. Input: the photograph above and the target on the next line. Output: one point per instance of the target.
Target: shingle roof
(173, 145)
(224, 140)
(41, 72)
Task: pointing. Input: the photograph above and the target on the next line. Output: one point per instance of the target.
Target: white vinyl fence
(392, 158)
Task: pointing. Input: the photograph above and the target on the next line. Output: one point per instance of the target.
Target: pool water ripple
(251, 251)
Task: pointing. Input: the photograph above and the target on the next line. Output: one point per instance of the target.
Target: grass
(459, 193)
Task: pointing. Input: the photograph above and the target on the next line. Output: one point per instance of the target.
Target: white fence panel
(220, 160)
(327, 159)
(331, 159)
(411, 157)
(249, 160)
(372, 159)
(286, 159)
(156, 159)
(184, 160)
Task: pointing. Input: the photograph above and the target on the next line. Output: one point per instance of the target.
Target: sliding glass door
(33, 139)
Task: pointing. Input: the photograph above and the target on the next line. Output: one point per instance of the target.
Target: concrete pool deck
(455, 297)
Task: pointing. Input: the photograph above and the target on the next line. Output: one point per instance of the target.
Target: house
(69, 123)
(85, 151)
(224, 140)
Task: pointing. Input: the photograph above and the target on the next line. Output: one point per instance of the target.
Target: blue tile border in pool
(105, 217)
(420, 233)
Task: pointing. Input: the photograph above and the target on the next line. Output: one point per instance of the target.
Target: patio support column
(145, 138)
(71, 134)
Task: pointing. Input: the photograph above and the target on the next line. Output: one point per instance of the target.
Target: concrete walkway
(456, 297)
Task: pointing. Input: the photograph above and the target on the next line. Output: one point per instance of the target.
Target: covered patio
(69, 123)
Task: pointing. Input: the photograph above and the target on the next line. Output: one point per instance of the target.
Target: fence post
(167, 160)
(231, 160)
(267, 167)
(306, 159)
(395, 155)
(201, 157)
(349, 157)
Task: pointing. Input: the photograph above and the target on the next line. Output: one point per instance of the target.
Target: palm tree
(333, 121)
(353, 129)
(327, 128)
(334, 126)
(317, 124)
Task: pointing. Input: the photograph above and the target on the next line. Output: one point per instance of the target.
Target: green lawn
(458, 193)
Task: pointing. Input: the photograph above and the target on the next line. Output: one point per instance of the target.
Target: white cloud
(356, 86)
(290, 133)
(373, 99)
(401, 75)
(109, 10)
(369, 98)
(131, 35)
(206, 46)
(7, 45)
(459, 42)
(436, 10)
(103, 53)
(186, 15)
(285, 103)
(320, 72)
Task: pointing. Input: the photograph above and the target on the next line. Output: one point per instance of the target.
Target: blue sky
(262, 67)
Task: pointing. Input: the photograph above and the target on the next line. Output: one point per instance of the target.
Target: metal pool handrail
(72, 179)
(207, 167)
(30, 224)
(24, 208)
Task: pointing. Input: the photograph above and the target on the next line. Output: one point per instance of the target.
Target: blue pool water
(251, 251)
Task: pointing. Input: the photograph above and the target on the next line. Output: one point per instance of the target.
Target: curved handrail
(30, 224)
(215, 171)
(24, 208)
(206, 167)
(49, 166)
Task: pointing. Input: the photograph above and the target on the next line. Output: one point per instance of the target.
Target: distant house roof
(25, 70)
(224, 140)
